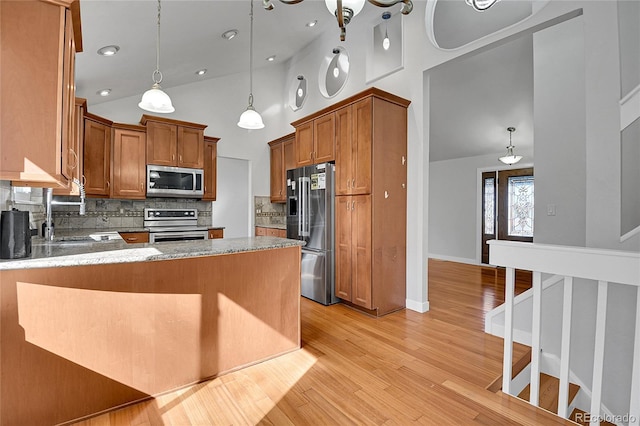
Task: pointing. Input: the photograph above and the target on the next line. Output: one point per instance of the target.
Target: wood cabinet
(135, 237)
(315, 140)
(354, 148)
(282, 159)
(128, 162)
(37, 91)
(210, 168)
(263, 231)
(97, 155)
(75, 159)
(216, 233)
(173, 142)
(371, 201)
(353, 249)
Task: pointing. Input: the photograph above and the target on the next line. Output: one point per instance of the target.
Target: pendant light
(386, 43)
(154, 99)
(481, 5)
(510, 158)
(251, 119)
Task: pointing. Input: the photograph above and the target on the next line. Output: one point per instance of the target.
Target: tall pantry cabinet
(371, 199)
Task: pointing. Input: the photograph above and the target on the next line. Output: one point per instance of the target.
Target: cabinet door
(343, 249)
(361, 147)
(261, 232)
(129, 165)
(97, 158)
(289, 157)
(162, 144)
(76, 153)
(361, 250)
(324, 137)
(190, 147)
(344, 160)
(135, 237)
(69, 156)
(304, 144)
(210, 171)
(278, 193)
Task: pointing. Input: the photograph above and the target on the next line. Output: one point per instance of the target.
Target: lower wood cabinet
(216, 233)
(135, 237)
(262, 231)
(353, 249)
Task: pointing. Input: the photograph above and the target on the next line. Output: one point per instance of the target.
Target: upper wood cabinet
(75, 161)
(173, 142)
(353, 148)
(282, 159)
(315, 140)
(37, 91)
(128, 164)
(97, 155)
(210, 168)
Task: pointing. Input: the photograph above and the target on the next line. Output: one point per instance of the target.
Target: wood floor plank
(402, 368)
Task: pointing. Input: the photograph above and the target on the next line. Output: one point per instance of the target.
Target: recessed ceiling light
(103, 92)
(228, 35)
(108, 50)
(311, 24)
(203, 71)
(271, 58)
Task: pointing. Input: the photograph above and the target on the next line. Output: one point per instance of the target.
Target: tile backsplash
(268, 213)
(100, 213)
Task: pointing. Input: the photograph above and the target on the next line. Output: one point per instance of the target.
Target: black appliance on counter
(15, 234)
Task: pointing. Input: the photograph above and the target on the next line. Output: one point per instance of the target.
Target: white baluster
(508, 329)
(534, 395)
(634, 407)
(598, 355)
(565, 351)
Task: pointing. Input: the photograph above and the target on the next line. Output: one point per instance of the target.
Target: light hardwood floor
(402, 368)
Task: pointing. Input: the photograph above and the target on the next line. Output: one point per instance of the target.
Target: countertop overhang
(83, 252)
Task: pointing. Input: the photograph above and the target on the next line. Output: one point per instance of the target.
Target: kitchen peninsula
(90, 326)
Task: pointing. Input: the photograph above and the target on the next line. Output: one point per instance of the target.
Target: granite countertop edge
(272, 226)
(72, 253)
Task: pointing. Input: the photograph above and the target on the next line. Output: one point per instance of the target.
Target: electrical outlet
(551, 209)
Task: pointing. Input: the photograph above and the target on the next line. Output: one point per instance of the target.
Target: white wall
(233, 203)
(560, 152)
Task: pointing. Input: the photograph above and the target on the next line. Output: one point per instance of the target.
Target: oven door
(159, 237)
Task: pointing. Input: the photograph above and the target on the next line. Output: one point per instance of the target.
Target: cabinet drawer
(135, 237)
(216, 233)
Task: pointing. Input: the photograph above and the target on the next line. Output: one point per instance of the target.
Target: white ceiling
(473, 100)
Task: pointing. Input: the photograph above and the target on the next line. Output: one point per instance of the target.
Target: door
(313, 276)
(319, 207)
(507, 207)
(190, 147)
(276, 181)
(304, 144)
(293, 204)
(361, 249)
(162, 140)
(210, 171)
(233, 198)
(97, 158)
(129, 170)
(343, 151)
(324, 138)
(343, 247)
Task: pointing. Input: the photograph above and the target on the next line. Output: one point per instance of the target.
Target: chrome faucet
(48, 192)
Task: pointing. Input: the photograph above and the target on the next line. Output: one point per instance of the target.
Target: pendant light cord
(251, 57)
(157, 75)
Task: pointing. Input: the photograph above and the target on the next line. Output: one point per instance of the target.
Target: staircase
(549, 391)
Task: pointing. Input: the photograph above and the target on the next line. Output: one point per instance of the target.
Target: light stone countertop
(275, 226)
(89, 252)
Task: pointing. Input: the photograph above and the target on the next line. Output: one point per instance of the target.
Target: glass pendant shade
(251, 120)
(481, 5)
(510, 157)
(155, 100)
(355, 5)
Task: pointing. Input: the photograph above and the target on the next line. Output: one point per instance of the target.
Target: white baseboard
(454, 259)
(414, 305)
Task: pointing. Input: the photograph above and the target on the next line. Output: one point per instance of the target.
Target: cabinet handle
(353, 183)
(181, 158)
(404, 186)
(347, 206)
(404, 160)
(353, 205)
(173, 157)
(132, 239)
(310, 155)
(108, 184)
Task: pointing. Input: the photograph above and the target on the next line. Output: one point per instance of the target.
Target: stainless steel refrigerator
(310, 207)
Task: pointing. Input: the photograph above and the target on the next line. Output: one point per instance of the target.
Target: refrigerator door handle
(300, 207)
(303, 223)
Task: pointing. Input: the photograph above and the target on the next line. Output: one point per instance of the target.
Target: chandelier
(345, 10)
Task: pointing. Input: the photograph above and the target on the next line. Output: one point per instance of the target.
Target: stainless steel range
(173, 225)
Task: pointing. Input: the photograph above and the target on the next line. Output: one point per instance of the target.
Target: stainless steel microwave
(165, 181)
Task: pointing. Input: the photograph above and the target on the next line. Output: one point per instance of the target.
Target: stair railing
(603, 266)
